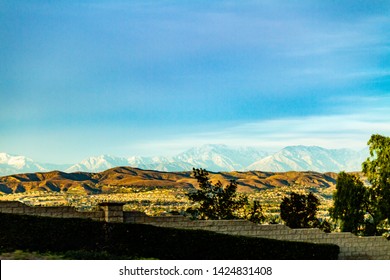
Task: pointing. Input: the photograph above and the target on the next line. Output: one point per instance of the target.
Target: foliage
(255, 213)
(363, 208)
(326, 226)
(299, 210)
(377, 170)
(350, 202)
(215, 202)
(273, 219)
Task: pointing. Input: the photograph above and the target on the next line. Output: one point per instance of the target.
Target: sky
(82, 78)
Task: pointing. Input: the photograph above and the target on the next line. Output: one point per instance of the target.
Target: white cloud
(336, 131)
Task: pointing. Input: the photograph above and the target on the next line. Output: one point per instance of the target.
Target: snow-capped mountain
(11, 164)
(220, 157)
(158, 163)
(104, 162)
(313, 158)
(210, 157)
(97, 164)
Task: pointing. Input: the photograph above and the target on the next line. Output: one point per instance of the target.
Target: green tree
(350, 202)
(216, 202)
(377, 170)
(255, 213)
(299, 210)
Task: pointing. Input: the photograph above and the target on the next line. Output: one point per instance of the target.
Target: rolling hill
(106, 181)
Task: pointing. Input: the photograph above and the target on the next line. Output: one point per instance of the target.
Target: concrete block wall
(351, 246)
(16, 207)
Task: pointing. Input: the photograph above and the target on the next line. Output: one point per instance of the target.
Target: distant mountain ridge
(211, 157)
(220, 157)
(11, 163)
(314, 158)
(119, 177)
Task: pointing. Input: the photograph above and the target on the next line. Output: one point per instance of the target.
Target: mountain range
(115, 179)
(211, 157)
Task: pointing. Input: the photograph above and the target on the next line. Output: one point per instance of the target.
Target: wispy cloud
(334, 131)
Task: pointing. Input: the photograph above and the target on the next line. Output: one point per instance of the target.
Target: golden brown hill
(83, 182)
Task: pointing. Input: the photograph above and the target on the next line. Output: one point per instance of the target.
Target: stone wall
(351, 246)
(15, 207)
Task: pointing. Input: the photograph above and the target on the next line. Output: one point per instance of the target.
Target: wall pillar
(113, 211)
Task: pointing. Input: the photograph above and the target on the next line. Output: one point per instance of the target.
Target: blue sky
(81, 78)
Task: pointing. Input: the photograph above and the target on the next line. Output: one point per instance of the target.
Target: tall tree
(350, 202)
(215, 202)
(377, 170)
(299, 210)
(255, 212)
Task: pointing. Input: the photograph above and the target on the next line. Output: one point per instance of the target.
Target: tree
(255, 213)
(350, 202)
(216, 202)
(377, 170)
(299, 210)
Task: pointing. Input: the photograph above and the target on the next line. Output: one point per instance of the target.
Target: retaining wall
(351, 246)
(16, 207)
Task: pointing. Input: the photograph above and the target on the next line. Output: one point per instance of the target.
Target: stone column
(113, 211)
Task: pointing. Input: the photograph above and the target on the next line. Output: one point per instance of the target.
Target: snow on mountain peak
(213, 157)
(314, 158)
(11, 164)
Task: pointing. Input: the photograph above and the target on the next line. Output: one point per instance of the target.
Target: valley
(158, 192)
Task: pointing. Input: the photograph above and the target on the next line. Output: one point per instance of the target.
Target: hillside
(92, 183)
